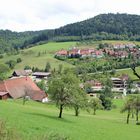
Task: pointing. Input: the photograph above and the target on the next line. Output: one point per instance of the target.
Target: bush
(19, 60)
(27, 67)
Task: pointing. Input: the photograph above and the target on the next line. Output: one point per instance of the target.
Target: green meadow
(35, 119)
(32, 58)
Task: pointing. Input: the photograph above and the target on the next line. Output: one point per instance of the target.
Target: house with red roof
(62, 53)
(20, 87)
(95, 85)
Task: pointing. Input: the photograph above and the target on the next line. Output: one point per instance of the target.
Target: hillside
(11, 41)
(101, 27)
(31, 58)
(35, 119)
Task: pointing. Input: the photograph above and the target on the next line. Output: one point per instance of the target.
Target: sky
(31, 15)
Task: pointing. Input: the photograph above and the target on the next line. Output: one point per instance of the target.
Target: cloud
(21, 15)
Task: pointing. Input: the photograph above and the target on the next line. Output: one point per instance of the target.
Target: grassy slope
(30, 56)
(36, 119)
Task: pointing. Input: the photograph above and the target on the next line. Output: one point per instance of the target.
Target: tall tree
(61, 89)
(79, 100)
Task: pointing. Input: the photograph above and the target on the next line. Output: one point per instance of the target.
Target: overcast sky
(23, 15)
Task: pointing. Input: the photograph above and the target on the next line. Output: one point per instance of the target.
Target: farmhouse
(20, 87)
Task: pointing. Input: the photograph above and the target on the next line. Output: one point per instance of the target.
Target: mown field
(35, 119)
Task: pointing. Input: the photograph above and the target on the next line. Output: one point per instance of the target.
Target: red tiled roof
(85, 52)
(2, 87)
(98, 52)
(19, 87)
(62, 52)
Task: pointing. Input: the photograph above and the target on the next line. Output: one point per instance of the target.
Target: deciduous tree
(94, 104)
(61, 89)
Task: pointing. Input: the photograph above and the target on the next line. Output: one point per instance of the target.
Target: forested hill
(10, 41)
(121, 24)
(104, 26)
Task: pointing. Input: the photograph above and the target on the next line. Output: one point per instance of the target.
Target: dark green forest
(101, 27)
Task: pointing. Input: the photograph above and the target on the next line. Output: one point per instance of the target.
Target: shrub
(27, 67)
(19, 60)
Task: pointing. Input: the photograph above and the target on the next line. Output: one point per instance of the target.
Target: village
(117, 50)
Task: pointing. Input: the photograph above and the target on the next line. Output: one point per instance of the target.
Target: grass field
(30, 56)
(34, 119)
